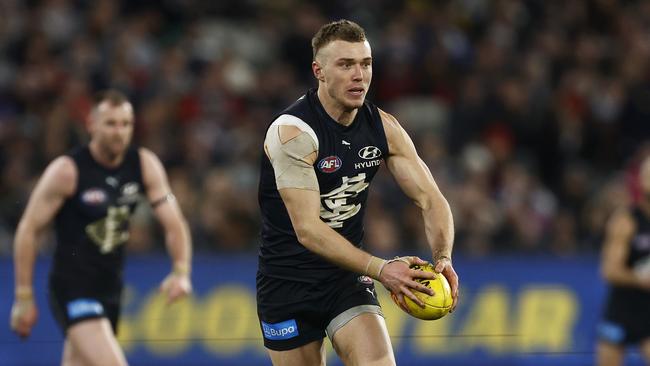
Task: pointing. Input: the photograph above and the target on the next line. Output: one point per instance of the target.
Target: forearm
(24, 256)
(439, 227)
(179, 247)
(329, 244)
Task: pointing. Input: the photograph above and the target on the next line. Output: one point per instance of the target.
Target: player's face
(345, 70)
(112, 127)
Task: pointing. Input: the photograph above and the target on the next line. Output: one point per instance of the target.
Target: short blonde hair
(344, 30)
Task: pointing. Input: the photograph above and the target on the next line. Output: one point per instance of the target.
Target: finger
(416, 273)
(454, 303)
(418, 261)
(412, 296)
(22, 330)
(440, 266)
(402, 303)
(422, 288)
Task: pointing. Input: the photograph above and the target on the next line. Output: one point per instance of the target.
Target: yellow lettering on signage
(166, 328)
(546, 319)
(487, 324)
(229, 322)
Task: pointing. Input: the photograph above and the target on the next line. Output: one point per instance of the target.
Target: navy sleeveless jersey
(92, 226)
(348, 159)
(633, 300)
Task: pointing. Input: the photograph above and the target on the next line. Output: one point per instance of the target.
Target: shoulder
(61, 175)
(621, 222)
(149, 161)
(391, 124)
(146, 154)
(63, 169)
(292, 126)
(397, 138)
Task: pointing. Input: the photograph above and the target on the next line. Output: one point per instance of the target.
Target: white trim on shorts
(342, 319)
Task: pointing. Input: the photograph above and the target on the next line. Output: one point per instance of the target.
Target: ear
(317, 70)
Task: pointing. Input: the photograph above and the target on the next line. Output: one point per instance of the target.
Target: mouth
(356, 91)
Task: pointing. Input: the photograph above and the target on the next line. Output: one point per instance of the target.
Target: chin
(353, 104)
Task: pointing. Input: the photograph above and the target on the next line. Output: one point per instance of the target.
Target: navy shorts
(623, 331)
(293, 314)
(626, 319)
(71, 305)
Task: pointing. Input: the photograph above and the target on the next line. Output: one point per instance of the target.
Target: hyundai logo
(369, 152)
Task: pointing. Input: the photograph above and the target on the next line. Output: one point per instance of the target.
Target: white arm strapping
(287, 159)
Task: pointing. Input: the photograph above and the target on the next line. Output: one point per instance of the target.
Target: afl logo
(365, 280)
(369, 152)
(93, 196)
(329, 164)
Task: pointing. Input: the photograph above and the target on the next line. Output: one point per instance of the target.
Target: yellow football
(436, 306)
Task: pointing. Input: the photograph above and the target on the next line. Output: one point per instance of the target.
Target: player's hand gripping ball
(436, 306)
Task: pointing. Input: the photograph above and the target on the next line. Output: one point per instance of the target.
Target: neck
(335, 110)
(104, 157)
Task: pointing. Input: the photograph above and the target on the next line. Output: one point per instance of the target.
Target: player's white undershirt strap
(289, 166)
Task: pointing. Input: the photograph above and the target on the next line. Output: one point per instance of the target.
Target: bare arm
(618, 234)
(57, 183)
(415, 179)
(303, 206)
(168, 213)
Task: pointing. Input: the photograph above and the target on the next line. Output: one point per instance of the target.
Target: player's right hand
(23, 316)
(399, 279)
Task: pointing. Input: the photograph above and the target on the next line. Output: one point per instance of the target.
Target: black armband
(169, 197)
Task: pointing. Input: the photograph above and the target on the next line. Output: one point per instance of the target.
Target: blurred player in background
(91, 194)
(626, 267)
(321, 154)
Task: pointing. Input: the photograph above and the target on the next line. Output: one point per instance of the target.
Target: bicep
(56, 184)
(153, 176)
(618, 233)
(158, 190)
(413, 176)
(408, 169)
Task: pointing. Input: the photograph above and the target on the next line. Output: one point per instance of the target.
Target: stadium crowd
(532, 115)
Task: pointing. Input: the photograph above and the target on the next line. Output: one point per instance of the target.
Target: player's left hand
(176, 286)
(444, 266)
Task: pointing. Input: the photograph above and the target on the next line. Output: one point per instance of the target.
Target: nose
(358, 73)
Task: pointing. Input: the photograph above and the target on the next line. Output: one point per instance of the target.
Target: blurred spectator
(531, 114)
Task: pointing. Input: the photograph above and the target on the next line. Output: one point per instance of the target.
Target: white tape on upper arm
(289, 120)
(288, 159)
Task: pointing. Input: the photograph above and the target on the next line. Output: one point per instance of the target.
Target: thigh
(310, 354)
(92, 342)
(364, 340)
